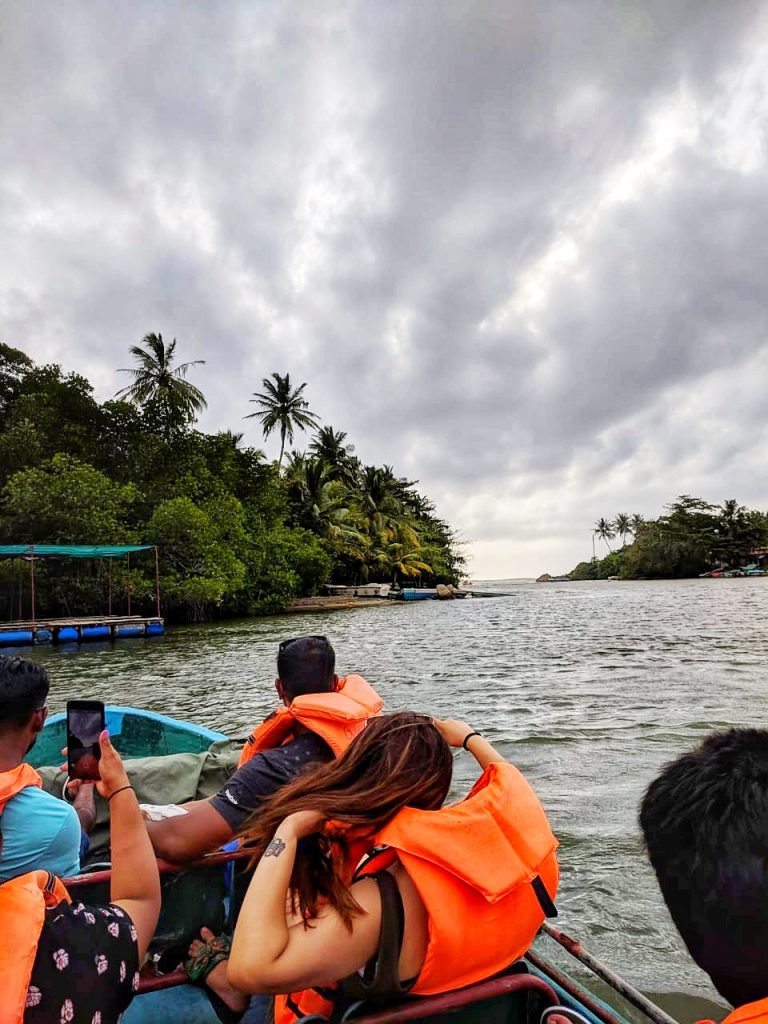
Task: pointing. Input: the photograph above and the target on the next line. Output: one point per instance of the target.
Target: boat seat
(523, 1004)
(190, 900)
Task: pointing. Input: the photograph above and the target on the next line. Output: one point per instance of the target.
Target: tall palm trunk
(282, 450)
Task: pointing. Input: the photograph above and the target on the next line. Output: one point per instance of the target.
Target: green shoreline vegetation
(238, 534)
(693, 537)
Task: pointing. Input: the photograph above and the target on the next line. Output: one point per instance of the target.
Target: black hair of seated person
(24, 689)
(705, 825)
(306, 665)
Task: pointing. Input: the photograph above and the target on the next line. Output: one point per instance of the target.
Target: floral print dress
(87, 966)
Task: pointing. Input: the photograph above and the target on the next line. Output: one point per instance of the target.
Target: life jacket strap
(362, 869)
(293, 1006)
(545, 900)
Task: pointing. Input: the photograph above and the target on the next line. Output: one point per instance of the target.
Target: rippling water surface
(587, 687)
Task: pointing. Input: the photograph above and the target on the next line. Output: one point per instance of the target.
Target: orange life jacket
(750, 1013)
(487, 873)
(23, 902)
(13, 781)
(337, 717)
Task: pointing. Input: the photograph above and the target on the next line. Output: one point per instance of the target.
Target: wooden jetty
(76, 630)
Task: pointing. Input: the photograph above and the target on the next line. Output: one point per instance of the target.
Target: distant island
(693, 538)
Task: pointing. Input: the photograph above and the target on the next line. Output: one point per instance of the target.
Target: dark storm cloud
(504, 242)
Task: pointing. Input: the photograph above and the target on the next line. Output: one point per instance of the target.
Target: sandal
(198, 967)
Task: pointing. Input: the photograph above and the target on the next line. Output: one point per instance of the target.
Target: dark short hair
(705, 824)
(306, 665)
(23, 689)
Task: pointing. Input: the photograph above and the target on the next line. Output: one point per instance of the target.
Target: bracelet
(468, 737)
(121, 790)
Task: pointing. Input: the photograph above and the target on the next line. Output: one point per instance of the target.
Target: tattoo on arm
(275, 848)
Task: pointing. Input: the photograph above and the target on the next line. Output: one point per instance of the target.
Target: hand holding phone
(85, 723)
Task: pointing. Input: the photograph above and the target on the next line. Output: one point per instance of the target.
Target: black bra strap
(381, 976)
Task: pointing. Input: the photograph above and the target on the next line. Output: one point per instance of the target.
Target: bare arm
(455, 732)
(135, 879)
(188, 836)
(272, 954)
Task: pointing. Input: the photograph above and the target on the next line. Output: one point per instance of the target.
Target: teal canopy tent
(110, 551)
(72, 550)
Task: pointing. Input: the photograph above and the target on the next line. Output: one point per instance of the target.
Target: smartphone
(85, 723)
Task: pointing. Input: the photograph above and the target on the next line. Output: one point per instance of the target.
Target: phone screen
(85, 722)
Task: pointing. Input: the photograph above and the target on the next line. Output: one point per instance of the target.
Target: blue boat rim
(208, 734)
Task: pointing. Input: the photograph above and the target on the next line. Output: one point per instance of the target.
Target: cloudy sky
(517, 249)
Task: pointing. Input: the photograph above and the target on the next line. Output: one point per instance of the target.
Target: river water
(587, 687)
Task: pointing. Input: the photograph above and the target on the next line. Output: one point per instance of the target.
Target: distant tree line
(692, 537)
(238, 534)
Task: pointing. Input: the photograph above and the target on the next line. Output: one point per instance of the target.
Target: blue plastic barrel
(66, 634)
(94, 632)
(43, 636)
(155, 629)
(16, 636)
(137, 629)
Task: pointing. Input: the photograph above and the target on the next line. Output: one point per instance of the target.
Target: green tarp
(168, 779)
(72, 550)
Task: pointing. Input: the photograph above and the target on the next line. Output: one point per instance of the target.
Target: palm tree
(329, 447)
(321, 501)
(284, 407)
(380, 506)
(604, 530)
(402, 553)
(637, 522)
(231, 437)
(294, 466)
(156, 384)
(622, 524)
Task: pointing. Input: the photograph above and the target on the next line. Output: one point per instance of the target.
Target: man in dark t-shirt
(304, 665)
(264, 774)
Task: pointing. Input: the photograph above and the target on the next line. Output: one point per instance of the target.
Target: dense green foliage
(691, 538)
(237, 535)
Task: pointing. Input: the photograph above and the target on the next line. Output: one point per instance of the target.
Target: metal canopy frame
(109, 551)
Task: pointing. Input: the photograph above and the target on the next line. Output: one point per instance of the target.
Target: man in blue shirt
(38, 831)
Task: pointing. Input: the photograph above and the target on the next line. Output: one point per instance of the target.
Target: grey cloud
(356, 193)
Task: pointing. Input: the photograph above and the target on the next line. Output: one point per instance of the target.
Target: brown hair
(397, 761)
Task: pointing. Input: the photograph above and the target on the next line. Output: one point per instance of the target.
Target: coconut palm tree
(321, 501)
(294, 466)
(637, 523)
(604, 530)
(622, 524)
(283, 407)
(381, 508)
(330, 448)
(401, 553)
(232, 437)
(156, 383)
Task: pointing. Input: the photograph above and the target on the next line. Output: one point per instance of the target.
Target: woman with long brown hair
(307, 922)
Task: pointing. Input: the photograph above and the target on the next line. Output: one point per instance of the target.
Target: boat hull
(136, 733)
(210, 892)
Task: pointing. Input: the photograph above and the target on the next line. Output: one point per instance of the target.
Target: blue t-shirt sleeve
(40, 832)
